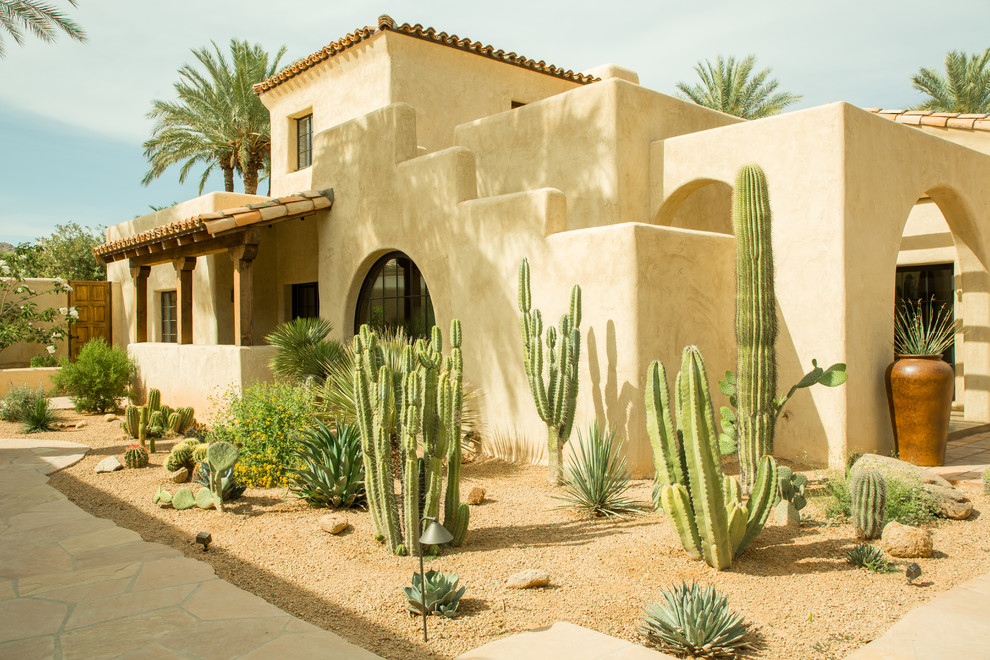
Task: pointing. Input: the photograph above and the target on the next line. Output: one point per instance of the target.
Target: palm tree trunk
(228, 177)
(251, 174)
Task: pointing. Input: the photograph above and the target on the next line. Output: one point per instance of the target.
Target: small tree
(98, 378)
(22, 319)
(67, 253)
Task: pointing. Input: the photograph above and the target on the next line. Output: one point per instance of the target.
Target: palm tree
(217, 121)
(964, 88)
(730, 87)
(39, 18)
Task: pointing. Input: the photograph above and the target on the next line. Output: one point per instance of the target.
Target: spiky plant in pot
(596, 477)
(331, 471)
(695, 621)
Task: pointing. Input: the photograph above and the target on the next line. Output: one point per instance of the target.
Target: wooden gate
(92, 301)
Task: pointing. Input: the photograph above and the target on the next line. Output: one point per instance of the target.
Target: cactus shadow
(775, 552)
(546, 534)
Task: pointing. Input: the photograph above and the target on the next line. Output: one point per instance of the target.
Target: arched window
(394, 295)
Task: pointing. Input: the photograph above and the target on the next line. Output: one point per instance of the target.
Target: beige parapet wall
(197, 376)
(34, 378)
(19, 355)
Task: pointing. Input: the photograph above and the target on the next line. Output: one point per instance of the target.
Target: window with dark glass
(304, 141)
(305, 300)
(170, 326)
(394, 295)
(932, 285)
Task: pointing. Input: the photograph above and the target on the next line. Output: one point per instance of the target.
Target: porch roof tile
(958, 120)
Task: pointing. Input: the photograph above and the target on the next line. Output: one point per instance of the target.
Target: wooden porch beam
(243, 257)
(184, 305)
(140, 276)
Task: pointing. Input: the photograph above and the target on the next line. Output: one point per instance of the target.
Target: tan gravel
(793, 584)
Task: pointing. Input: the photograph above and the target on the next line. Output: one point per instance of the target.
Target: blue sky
(72, 115)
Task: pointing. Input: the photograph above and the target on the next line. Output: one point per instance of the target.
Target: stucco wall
(19, 355)
(37, 377)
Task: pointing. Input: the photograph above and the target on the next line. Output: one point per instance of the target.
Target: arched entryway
(395, 295)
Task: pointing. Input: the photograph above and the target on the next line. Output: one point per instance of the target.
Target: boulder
(81, 424)
(900, 540)
(333, 524)
(110, 417)
(476, 495)
(952, 502)
(180, 476)
(528, 579)
(109, 464)
(786, 514)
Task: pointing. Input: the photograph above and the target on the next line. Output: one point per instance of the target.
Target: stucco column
(243, 258)
(140, 276)
(184, 304)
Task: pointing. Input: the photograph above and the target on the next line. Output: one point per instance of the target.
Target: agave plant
(302, 351)
(332, 467)
(42, 416)
(596, 477)
(442, 594)
(868, 557)
(695, 621)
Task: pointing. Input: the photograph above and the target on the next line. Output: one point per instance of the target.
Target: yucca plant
(18, 401)
(303, 352)
(596, 477)
(43, 416)
(442, 594)
(332, 469)
(696, 621)
(923, 329)
(868, 557)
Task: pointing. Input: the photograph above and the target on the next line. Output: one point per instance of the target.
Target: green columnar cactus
(555, 395)
(221, 456)
(154, 400)
(705, 506)
(180, 420)
(132, 421)
(868, 492)
(756, 322)
(416, 402)
(136, 456)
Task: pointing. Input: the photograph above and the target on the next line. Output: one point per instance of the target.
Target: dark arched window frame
(404, 302)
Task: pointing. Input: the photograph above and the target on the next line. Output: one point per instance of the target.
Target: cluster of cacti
(556, 393)
(752, 390)
(152, 420)
(868, 495)
(704, 505)
(416, 403)
(183, 455)
(136, 456)
(181, 420)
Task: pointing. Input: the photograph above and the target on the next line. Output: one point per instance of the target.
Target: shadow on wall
(611, 402)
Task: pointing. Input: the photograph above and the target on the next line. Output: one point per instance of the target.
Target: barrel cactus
(868, 492)
(136, 456)
(181, 456)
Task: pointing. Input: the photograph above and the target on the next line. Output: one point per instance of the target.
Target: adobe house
(430, 165)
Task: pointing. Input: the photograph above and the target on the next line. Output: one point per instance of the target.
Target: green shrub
(44, 360)
(986, 482)
(98, 378)
(867, 557)
(907, 503)
(18, 401)
(43, 416)
(303, 351)
(265, 422)
(695, 621)
(331, 471)
(596, 477)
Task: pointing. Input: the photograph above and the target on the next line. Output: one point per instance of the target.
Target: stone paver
(965, 459)
(566, 641)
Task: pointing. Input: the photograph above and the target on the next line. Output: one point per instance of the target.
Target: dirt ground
(793, 584)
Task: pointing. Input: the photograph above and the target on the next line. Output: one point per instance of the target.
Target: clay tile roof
(217, 221)
(969, 122)
(386, 24)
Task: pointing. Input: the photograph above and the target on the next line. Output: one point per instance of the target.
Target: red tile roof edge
(386, 23)
(958, 120)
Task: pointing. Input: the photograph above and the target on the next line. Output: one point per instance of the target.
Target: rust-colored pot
(919, 392)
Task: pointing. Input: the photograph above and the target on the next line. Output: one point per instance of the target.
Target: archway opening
(394, 296)
(701, 205)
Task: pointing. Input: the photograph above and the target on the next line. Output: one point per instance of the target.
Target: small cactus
(154, 399)
(184, 499)
(868, 492)
(181, 420)
(132, 421)
(791, 487)
(181, 456)
(136, 456)
(199, 452)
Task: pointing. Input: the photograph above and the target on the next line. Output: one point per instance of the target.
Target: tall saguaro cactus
(704, 505)
(756, 322)
(416, 404)
(556, 393)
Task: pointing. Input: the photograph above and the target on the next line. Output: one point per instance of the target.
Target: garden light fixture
(204, 539)
(435, 534)
(912, 572)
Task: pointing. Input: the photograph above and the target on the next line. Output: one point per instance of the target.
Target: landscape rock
(476, 495)
(110, 417)
(333, 524)
(81, 424)
(109, 464)
(786, 514)
(528, 579)
(952, 502)
(180, 476)
(900, 540)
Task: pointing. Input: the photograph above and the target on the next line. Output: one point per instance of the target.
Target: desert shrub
(695, 621)
(986, 481)
(867, 557)
(18, 401)
(265, 422)
(43, 416)
(596, 477)
(98, 378)
(303, 351)
(331, 466)
(907, 503)
(441, 598)
(44, 360)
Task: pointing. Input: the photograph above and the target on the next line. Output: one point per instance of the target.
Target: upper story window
(169, 317)
(304, 141)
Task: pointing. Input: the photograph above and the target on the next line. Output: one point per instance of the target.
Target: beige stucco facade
(613, 186)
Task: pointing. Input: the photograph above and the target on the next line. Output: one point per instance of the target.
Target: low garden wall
(196, 375)
(39, 376)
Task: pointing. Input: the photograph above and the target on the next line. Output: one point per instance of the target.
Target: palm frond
(731, 87)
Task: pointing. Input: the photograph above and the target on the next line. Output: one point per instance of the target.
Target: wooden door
(92, 301)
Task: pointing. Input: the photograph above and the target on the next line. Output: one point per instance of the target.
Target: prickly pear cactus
(221, 456)
(184, 499)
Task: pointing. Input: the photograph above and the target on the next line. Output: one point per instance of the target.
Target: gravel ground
(793, 584)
